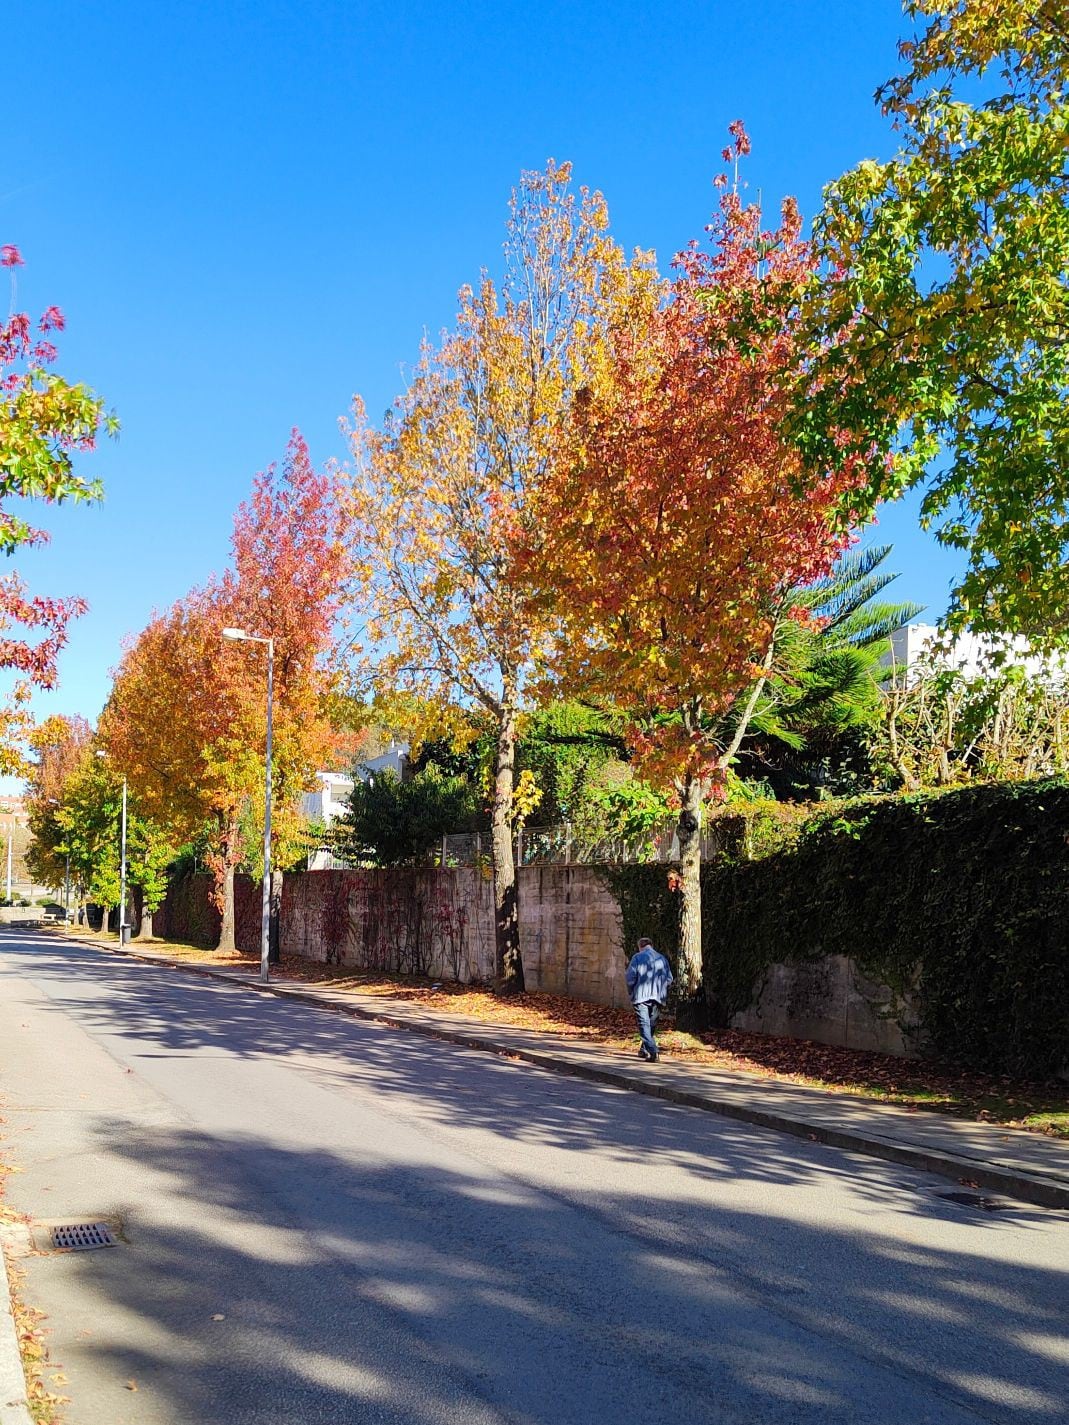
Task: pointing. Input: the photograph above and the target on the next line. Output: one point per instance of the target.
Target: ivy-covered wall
(188, 913)
(959, 902)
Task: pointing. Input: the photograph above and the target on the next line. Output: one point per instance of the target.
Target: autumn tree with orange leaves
(436, 490)
(58, 748)
(674, 524)
(187, 717)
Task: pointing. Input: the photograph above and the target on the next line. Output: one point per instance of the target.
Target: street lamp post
(122, 873)
(238, 635)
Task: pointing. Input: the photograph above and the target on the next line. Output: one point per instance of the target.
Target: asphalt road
(394, 1229)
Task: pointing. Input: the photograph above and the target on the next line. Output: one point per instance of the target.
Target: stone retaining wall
(829, 1000)
(441, 923)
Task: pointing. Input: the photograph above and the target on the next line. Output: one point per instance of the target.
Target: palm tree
(805, 735)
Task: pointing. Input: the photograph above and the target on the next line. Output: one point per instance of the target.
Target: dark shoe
(654, 1057)
(643, 1053)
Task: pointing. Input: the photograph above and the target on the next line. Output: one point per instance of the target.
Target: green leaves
(400, 823)
(942, 321)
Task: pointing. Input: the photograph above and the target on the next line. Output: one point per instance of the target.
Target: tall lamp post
(238, 635)
(123, 927)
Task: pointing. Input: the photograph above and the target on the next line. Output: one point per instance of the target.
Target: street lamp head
(235, 635)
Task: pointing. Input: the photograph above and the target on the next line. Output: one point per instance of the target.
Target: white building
(970, 653)
(331, 798)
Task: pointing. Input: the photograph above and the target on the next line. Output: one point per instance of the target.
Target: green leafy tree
(84, 823)
(401, 823)
(574, 752)
(948, 268)
(633, 811)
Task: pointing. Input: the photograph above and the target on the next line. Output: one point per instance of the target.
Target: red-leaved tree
(187, 716)
(44, 422)
(676, 521)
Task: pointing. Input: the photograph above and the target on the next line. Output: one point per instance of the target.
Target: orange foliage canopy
(676, 521)
(187, 716)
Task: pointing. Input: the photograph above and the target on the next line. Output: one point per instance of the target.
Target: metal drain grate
(975, 1199)
(82, 1236)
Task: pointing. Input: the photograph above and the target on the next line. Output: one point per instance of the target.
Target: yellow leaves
(526, 796)
(436, 497)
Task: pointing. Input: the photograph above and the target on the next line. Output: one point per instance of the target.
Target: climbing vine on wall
(959, 899)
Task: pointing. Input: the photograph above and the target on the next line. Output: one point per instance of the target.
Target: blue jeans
(647, 1015)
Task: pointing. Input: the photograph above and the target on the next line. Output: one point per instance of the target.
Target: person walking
(648, 977)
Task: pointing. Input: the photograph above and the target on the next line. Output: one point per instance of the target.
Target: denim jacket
(648, 976)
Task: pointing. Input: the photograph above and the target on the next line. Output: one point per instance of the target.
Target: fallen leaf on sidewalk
(218, 1316)
(131, 1385)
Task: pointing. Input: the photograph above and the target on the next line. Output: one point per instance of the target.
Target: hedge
(961, 897)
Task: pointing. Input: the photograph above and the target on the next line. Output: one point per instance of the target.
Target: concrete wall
(440, 923)
(20, 914)
(571, 937)
(414, 922)
(830, 1001)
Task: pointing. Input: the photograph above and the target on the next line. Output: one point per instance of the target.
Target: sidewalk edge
(1026, 1187)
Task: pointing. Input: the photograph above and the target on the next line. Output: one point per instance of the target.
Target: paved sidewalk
(1022, 1165)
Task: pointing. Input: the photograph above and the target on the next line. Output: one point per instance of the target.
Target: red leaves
(187, 718)
(43, 420)
(676, 519)
(49, 617)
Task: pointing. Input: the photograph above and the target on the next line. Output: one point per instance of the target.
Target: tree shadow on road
(392, 1282)
(156, 1012)
(354, 1288)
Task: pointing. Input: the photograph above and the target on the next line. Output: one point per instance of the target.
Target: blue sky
(249, 211)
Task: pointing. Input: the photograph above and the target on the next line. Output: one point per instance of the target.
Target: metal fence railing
(559, 845)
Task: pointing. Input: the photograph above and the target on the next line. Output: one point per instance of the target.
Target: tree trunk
(509, 965)
(144, 929)
(105, 916)
(691, 1013)
(226, 929)
(274, 941)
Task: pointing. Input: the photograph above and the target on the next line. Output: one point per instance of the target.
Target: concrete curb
(1026, 1187)
(14, 1405)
